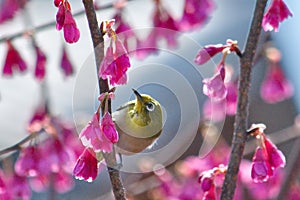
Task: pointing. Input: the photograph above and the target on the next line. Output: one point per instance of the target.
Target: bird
(139, 123)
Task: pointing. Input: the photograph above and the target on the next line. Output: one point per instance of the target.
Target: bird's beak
(138, 96)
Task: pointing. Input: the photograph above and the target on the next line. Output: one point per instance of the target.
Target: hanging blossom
(207, 181)
(209, 51)
(275, 87)
(40, 65)
(66, 64)
(217, 110)
(164, 27)
(276, 13)
(195, 13)
(116, 60)
(8, 8)
(97, 137)
(65, 21)
(53, 157)
(214, 87)
(13, 61)
(162, 19)
(18, 187)
(123, 29)
(267, 157)
(100, 136)
(86, 167)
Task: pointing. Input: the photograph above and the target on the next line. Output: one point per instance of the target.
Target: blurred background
(169, 75)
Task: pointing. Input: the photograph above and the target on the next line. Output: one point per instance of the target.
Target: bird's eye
(150, 106)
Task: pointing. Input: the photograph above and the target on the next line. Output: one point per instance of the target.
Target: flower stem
(240, 133)
(97, 38)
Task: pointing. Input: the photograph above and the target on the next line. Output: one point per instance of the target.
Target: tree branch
(18, 145)
(98, 44)
(240, 135)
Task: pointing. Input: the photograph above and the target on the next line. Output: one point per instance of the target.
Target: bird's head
(146, 110)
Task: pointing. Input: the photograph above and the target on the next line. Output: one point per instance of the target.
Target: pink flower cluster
(65, 21)
(202, 178)
(45, 163)
(13, 61)
(221, 89)
(40, 66)
(66, 64)
(165, 26)
(8, 8)
(207, 181)
(276, 13)
(116, 60)
(97, 137)
(267, 157)
(275, 87)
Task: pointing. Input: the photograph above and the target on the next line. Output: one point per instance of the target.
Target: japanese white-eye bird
(139, 123)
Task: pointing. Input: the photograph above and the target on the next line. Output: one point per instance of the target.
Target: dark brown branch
(98, 44)
(240, 134)
(18, 145)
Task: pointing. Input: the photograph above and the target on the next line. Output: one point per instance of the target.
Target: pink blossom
(60, 17)
(147, 46)
(39, 183)
(166, 24)
(195, 14)
(231, 97)
(109, 129)
(4, 190)
(30, 162)
(208, 52)
(276, 157)
(57, 2)
(214, 110)
(275, 87)
(71, 32)
(66, 64)
(214, 87)
(13, 60)
(8, 8)
(55, 154)
(261, 168)
(206, 181)
(124, 28)
(65, 21)
(210, 194)
(92, 136)
(276, 13)
(63, 182)
(19, 187)
(86, 166)
(115, 64)
(38, 120)
(40, 68)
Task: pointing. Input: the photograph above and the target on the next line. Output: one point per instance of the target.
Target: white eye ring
(150, 106)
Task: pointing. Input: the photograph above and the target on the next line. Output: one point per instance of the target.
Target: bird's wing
(127, 105)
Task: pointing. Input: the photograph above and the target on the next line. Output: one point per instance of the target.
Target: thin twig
(50, 24)
(18, 145)
(97, 38)
(240, 134)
